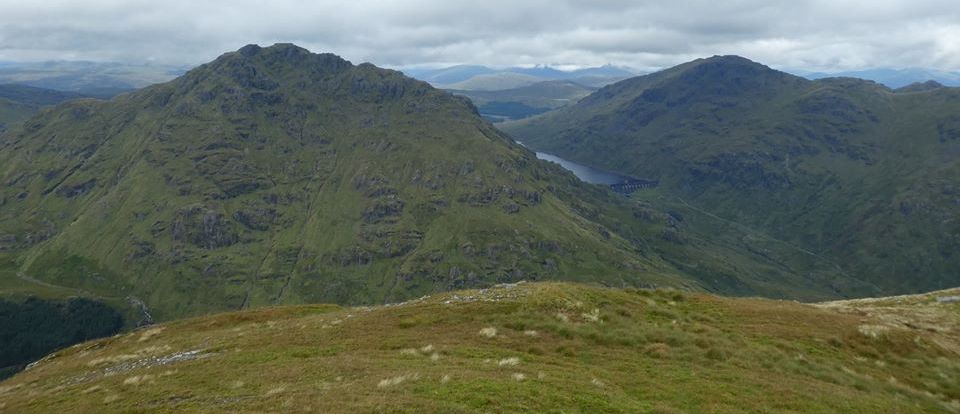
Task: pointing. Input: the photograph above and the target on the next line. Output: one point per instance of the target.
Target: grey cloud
(809, 34)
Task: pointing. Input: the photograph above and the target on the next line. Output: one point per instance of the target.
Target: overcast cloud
(826, 35)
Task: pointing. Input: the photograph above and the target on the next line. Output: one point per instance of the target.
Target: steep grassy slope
(521, 348)
(852, 176)
(273, 175)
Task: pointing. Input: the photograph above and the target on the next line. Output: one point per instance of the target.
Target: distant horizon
(565, 67)
(467, 76)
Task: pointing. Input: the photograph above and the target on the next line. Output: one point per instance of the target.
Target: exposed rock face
(202, 227)
(71, 191)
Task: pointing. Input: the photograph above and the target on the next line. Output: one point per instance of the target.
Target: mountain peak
(260, 68)
(921, 86)
(286, 53)
(730, 59)
(730, 68)
(287, 50)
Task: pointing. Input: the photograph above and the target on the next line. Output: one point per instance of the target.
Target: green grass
(610, 351)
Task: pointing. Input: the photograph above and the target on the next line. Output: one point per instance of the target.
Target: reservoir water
(583, 172)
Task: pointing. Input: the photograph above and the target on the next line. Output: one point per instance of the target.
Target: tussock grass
(708, 355)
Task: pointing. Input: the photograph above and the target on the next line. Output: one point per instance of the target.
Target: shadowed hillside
(854, 176)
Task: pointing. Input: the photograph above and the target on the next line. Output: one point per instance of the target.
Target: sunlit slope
(528, 347)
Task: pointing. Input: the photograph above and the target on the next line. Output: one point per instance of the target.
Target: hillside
(19, 102)
(853, 176)
(274, 175)
(29, 95)
(12, 113)
(525, 347)
(495, 82)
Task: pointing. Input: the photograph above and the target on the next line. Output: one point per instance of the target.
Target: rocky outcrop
(203, 227)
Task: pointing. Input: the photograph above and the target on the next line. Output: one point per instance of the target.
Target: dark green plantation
(852, 177)
(274, 175)
(32, 327)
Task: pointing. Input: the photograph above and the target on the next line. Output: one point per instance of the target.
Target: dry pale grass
(474, 352)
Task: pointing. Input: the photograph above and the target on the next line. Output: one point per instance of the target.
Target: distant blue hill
(448, 75)
(456, 74)
(892, 78)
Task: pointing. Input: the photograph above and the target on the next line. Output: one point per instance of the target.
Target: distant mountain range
(98, 79)
(467, 77)
(477, 77)
(525, 101)
(892, 78)
(854, 175)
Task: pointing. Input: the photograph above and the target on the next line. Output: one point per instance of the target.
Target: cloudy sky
(828, 35)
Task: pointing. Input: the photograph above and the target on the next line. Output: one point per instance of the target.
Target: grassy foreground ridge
(526, 347)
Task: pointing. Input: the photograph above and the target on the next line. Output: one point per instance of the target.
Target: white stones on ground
(873, 331)
(424, 350)
(597, 383)
(519, 376)
(488, 332)
(500, 292)
(509, 362)
(277, 390)
(948, 299)
(531, 333)
(389, 382)
(592, 316)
